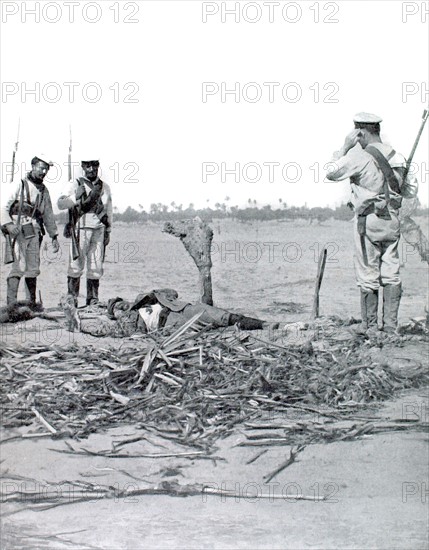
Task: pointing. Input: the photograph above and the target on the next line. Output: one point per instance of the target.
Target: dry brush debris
(194, 387)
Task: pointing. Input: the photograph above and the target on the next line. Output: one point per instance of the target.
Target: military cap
(89, 158)
(367, 118)
(44, 158)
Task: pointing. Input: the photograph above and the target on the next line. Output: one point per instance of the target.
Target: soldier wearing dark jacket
(161, 308)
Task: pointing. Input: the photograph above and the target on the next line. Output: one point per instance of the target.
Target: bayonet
(15, 150)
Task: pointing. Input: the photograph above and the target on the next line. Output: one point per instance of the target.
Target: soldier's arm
(5, 218)
(48, 216)
(345, 166)
(68, 200)
(346, 162)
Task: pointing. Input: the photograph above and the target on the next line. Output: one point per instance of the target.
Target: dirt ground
(376, 487)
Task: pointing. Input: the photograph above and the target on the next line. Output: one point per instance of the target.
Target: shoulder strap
(21, 203)
(27, 190)
(390, 181)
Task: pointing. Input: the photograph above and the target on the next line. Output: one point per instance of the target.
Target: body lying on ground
(161, 308)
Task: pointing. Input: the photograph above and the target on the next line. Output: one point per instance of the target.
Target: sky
(141, 85)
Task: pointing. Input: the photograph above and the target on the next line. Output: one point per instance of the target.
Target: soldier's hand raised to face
(351, 140)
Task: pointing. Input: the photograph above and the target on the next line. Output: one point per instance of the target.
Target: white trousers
(27, 257)
(91, 253)
(377, 261)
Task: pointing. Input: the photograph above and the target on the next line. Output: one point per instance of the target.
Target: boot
(369, 308)
(391, 299)
(95, 287)
(73, 286)
(31, 285)
(92, 291)
(12, 290)
(249, 323)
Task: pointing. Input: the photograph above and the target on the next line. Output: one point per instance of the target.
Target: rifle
(416, 142)
(9, 250)
(15, 150)
(410, 230)
(71, 225)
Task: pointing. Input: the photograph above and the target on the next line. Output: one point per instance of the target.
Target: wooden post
(320, 270)
(196, 237)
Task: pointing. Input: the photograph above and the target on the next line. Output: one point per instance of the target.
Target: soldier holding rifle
(379, 182)
(25, 218)
(89, 202)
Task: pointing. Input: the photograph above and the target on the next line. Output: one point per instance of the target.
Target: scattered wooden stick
(43, 421)
(232, 494)
(255, 458)
(285, 464)
(86, 452)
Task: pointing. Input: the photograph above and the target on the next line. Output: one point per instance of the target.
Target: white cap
(367, 118)
(88, 158)
(44, 158)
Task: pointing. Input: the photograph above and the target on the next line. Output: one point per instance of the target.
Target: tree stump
(196, 237)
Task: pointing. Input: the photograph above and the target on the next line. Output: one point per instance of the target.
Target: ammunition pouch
(379, 208)
(67, 230)
(28, 231)
(73, 217)
(105, 221)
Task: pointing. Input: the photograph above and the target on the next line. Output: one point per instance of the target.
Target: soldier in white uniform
(26, 216)
(90, 202)
(376, 173)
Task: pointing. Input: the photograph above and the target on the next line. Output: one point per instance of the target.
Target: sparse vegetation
(163, 212)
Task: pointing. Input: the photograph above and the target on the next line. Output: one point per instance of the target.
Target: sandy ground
(376, 489)
(377, 486)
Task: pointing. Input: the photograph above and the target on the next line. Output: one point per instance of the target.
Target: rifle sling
(390, 181)
(21, 203)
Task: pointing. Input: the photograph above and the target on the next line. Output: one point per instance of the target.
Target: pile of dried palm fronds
(193, 386)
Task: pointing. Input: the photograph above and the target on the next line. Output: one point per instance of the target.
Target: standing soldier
(90, 206)
(376, 175)
(24, 218)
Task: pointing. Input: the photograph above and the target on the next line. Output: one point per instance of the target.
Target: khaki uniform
(27, 250)
(376, 258)
(91, 232)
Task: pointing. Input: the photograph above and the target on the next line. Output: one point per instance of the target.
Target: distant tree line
(164, 212)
